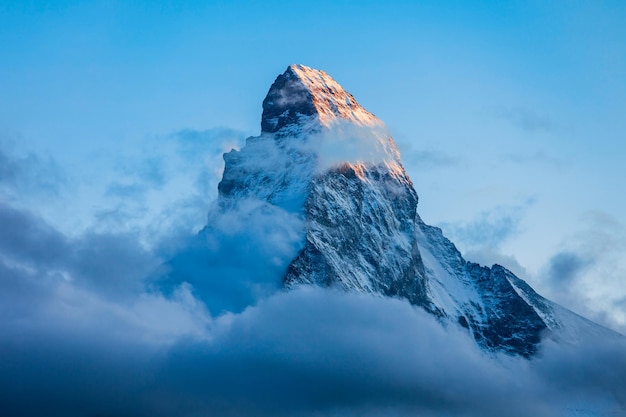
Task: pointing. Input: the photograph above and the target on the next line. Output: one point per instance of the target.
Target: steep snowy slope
(324, 158)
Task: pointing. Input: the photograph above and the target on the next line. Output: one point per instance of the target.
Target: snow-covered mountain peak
(325, 176)
(303, 98)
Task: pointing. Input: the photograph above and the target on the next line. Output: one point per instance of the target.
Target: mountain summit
(327, 175)
(303, 96)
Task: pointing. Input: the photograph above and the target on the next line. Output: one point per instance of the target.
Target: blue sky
(113, 120)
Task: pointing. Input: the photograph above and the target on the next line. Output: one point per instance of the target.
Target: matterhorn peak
(326, 177)
(306, 98)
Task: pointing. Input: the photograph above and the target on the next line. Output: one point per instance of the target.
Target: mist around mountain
(212, 324)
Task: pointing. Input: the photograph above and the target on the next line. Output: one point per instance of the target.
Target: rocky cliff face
(325, 158)
(360, 223)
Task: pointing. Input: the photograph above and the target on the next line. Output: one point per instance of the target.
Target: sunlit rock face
(303, 96)
(326, 160)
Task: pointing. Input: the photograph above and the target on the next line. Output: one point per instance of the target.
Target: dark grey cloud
(100, 262)
(111, 264)
(308, 352)
(29, 239)
(317, 351)
(565, 267)
(588, 274)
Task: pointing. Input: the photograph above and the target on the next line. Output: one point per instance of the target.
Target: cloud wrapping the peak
(345, 142)
(240, 256)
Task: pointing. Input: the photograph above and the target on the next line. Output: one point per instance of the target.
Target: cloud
(176, 173)
(156, 185)
(346, 142)
(537, 158)
(589, 272)
(151, 171)
(117, 189)
(25, 173)
(112, 264)
(490, 256)
(78, 336)
(427, 159)
(564, 268)
(481, 239)
(491, 228)
(307, 352)
(240, 256)
(89, 327)
(29, 239)
(320, 351)
(526, 119)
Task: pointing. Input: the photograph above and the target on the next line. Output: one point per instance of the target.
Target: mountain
(324, 159)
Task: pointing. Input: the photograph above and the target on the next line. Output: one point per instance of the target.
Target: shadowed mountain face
(326, 160)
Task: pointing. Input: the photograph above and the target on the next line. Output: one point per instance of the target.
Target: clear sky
(510, 116)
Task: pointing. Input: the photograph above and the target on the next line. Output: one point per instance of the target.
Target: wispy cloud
(589, 274)
(526, 119)
(481, 239)
(157, 186)
(428, 159)
(537, 158)
(490, 228)
(24, 173)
